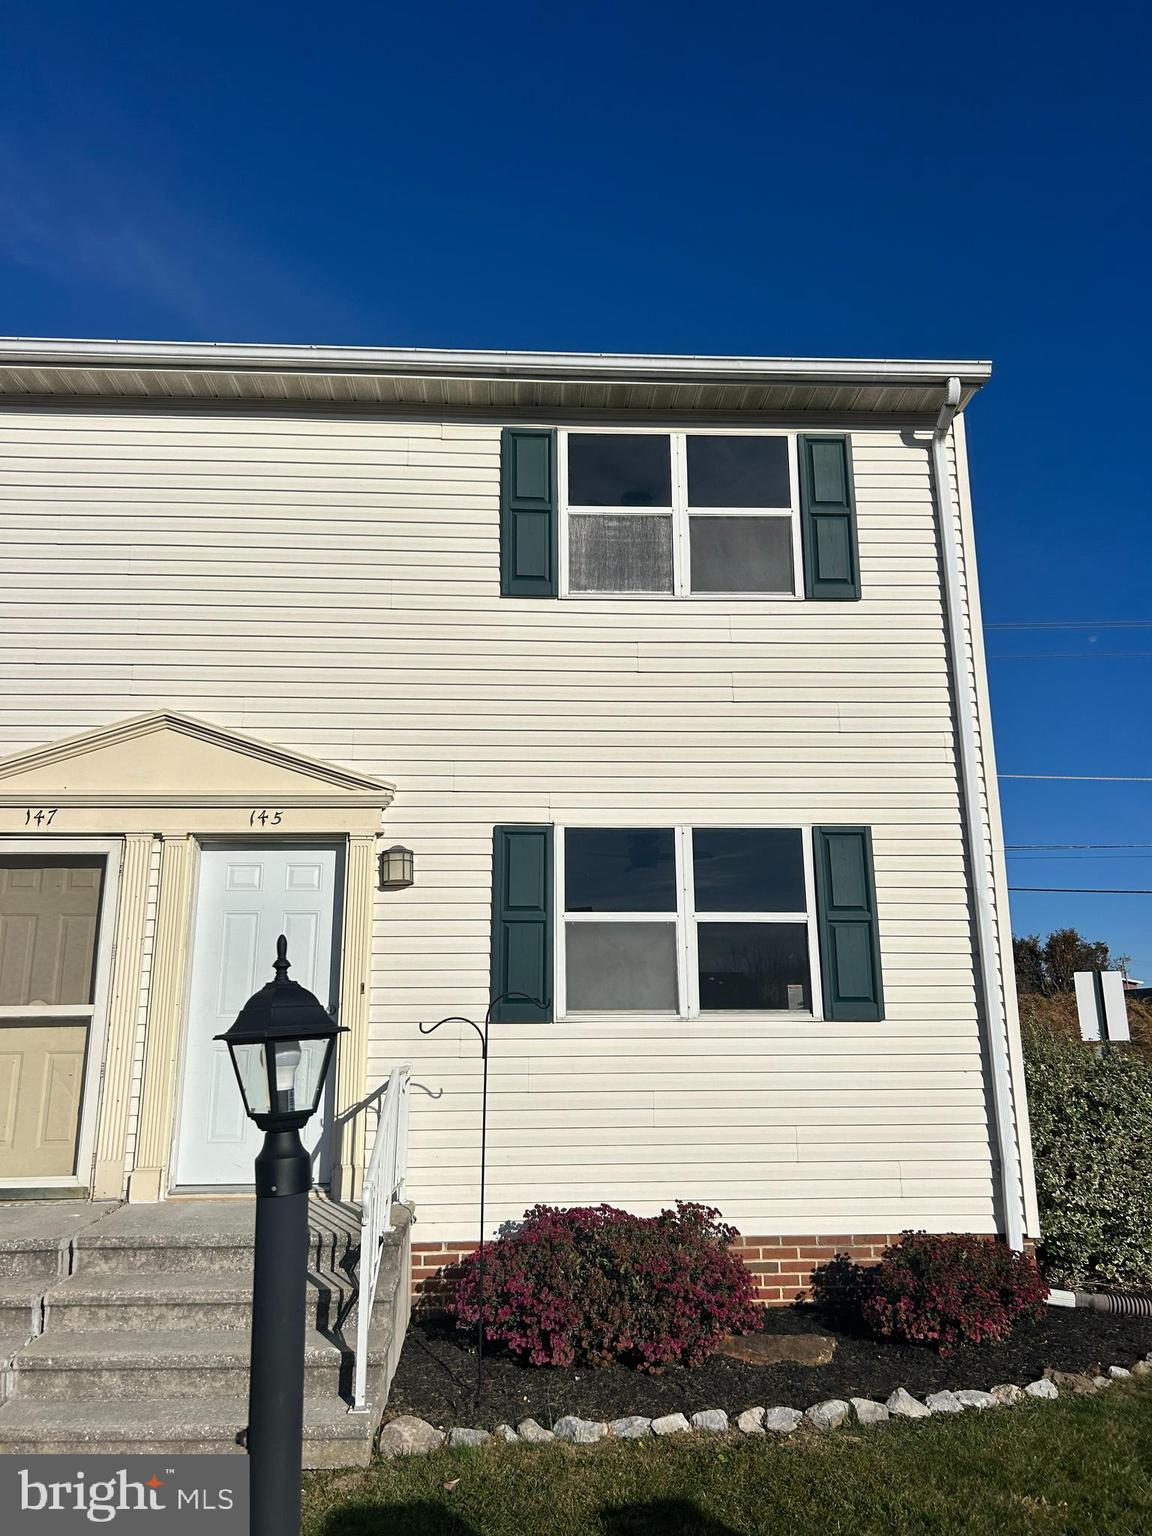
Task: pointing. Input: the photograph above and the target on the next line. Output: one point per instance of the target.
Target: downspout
(970, 781)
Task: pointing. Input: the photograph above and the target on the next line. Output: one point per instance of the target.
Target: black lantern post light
(281, 1046)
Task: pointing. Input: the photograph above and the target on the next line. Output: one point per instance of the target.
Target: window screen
(741, 554)
(622, 966)
(619, 554)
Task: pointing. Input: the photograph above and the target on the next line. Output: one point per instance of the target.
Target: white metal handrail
(383, 1185)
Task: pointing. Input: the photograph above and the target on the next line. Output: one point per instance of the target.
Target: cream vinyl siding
(332, 584)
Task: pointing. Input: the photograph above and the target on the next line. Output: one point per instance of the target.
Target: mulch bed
(436, 1376)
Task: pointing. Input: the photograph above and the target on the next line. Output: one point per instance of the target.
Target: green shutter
(828, 519)
(846, 917)
(522, 923)
(527, 512)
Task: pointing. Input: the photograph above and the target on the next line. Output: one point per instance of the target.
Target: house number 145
(265, 818)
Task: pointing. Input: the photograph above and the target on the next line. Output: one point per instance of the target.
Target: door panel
(227, 1120)
(41, 1082)
(247, 897)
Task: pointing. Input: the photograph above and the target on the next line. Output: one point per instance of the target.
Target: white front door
(247, 897)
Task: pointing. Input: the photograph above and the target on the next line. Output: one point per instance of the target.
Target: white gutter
(970, 777)
(60, 352)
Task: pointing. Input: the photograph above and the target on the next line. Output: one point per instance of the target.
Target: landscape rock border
(410, 1436)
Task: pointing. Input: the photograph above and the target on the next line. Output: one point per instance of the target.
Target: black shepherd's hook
(482, 1032)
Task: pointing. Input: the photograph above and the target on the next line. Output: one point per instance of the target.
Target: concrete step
(102, 1302)
(204, 1237)
(146, 1315)
(333, 1437)
(127, 1366)
(195, 1251)
(10, 1346)
(31, 1261)
(20, 1305)
(34, 1235)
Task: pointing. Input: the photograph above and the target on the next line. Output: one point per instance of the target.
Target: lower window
(753, 965)
(741, 554)
(620, 554)
(683, 920)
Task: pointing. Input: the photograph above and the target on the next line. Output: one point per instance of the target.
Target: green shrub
(1092, 1141)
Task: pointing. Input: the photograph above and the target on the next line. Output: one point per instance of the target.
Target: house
(668, 673)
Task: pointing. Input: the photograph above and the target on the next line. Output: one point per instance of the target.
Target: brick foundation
(782, 1266)
(429, 1286)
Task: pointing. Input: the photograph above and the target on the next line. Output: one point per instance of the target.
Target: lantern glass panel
(248, 1059)
(313, 1069)
(297, 1073)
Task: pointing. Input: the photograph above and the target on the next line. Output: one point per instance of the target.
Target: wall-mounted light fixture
(397, 868)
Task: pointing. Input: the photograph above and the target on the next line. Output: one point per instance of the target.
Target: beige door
(49, 913)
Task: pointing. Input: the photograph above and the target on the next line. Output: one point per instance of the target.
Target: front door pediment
(166, 762)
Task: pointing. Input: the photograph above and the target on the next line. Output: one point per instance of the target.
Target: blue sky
(858, 180)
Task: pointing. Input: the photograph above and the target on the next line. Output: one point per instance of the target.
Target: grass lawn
(1080, 1466)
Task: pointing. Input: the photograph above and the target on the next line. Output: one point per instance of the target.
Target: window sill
(685, 597)
(729, 1016)
(56, 1187)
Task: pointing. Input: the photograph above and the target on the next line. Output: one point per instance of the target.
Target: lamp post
(281, 1045)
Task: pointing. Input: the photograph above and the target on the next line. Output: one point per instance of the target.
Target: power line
(1012, 847)
(1073, 624)
(1063, 858)
(1067, 655)
(1084, 778)
(1081, 890)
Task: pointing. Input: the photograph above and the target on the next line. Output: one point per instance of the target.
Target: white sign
(1101, 1005)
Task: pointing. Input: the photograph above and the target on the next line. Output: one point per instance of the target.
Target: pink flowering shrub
(594, 1284)
(942, 1290)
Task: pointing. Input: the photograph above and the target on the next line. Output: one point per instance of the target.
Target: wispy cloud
(85, 223)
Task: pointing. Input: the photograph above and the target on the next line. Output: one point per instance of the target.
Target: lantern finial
(282, 961)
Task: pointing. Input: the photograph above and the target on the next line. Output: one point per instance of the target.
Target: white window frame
(95, 1012)
(680, 512)
(686, 920)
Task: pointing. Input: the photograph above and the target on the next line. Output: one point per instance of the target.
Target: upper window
(619, 469)
(680, 513)
(685, 920)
